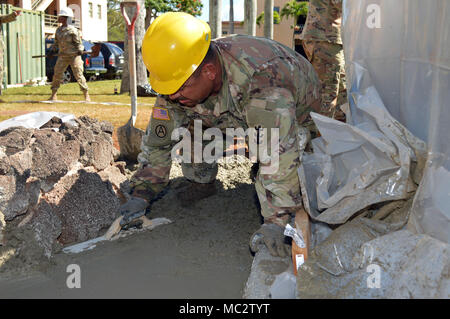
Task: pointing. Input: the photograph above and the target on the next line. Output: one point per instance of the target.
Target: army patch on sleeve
(160, 113)
(161, 131)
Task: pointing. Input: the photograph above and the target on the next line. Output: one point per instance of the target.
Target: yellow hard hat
(173, 47)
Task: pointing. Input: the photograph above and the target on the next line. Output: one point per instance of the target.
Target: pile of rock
(59, 184)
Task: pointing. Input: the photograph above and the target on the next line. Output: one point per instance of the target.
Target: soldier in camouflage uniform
(323, 45)
(5, 19)
(243, 82)
(68, 42)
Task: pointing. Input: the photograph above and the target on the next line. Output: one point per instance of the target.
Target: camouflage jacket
(324, 21)
(67, 41)
(264, 84)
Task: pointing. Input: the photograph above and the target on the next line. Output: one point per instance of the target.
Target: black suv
(93, 66)
(114, 59)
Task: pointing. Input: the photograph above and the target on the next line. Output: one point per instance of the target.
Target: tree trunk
(141, 70)
(148, 17)
(231, 17)
(250, 17)
(268, 19)
(215, 18)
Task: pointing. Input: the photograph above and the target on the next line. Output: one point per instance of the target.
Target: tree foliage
(276, 18)
(294, 9)
(116, 24)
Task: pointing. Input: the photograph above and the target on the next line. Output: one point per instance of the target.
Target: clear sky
(238, 10)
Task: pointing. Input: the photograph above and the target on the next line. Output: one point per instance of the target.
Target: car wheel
(92, 77)
(67, 76)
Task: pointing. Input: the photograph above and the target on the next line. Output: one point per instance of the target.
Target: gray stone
(16, 195)
(85, 204)
(100, 152)
(65, 185)
(118, 180)
(96, 145)
(107, 127)
(265, 268)
(15, 139)
(54, 122)
(47, 227)
(22, 161)
(5, 165)
(53, 156)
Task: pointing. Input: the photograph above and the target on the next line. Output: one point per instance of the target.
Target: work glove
(272, 236)
(134, 208)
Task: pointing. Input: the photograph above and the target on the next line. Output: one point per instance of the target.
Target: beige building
(238, 28)
(282, 32)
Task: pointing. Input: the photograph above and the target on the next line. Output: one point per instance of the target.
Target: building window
(91, 10)
(99, 8)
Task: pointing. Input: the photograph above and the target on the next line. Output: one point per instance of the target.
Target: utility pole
(268, 19)
(250, 17)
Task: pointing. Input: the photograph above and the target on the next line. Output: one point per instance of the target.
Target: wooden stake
(299, 255)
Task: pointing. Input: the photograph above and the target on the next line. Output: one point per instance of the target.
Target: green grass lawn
(100, 91)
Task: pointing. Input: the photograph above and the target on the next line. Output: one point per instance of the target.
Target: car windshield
(115, 49)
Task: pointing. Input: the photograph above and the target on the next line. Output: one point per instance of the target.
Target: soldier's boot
(87, 98)
(54, 97)
(190, 192)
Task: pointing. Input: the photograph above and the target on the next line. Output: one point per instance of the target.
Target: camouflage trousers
(328, 61)
(76, 63)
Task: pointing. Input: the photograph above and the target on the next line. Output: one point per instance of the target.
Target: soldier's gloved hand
(132, 209)
(80, 52)
(272, 236)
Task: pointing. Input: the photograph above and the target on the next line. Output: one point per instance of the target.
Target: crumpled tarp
(354, 166)
(347, 263)
(392, 240)
(407, 55)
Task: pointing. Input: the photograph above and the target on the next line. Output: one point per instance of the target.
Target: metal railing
(35, 3)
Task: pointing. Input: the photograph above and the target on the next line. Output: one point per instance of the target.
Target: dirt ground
(203, 254)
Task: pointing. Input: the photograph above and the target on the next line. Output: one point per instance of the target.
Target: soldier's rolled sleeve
(155, 158)
(278, 192)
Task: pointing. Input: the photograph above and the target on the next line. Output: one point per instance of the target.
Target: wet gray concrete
(204, 253)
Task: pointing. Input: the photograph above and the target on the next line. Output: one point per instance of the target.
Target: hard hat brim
(172, 86)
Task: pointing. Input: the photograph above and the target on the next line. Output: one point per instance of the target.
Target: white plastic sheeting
(354, 166)
(398, 77)
(401, 50)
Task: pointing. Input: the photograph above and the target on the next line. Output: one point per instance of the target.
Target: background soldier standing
(68, 41)
(323, 45)
(5, 19)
